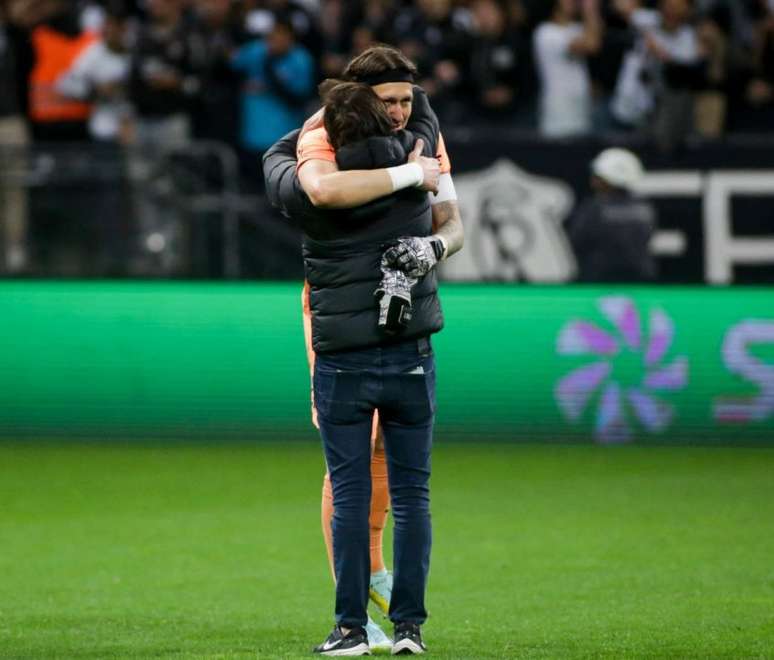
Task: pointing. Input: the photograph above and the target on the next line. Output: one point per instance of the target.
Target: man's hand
(431, 168)
(415, 255)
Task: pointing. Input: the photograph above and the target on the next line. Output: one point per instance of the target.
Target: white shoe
(377, 639)
(380, 590)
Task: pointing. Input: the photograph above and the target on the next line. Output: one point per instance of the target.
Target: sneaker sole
(407, 647)
(380, 601)
(360, 649)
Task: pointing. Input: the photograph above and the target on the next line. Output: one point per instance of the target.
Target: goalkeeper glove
(394, 298)
(415, 255)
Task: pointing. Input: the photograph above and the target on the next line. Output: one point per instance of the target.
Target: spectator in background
(14, 139)
(57, 40)
(100, 75)
(760, 90)
(738, 21)
(372, 25)
(498, 69)
(350, 28)
(216, 111)
(562, 45)
(711, 103)
(164, 83)
(661, 72)
(164, 80)
(431, 34)
(336, 17)
(261, 14)
(279, 80)
(611, 232)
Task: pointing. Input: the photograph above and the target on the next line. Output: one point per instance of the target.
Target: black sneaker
(355, 643)
(408, 640)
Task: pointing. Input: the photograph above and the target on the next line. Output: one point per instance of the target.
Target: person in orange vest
(57, 42)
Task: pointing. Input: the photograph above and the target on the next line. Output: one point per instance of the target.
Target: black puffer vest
(342, 258)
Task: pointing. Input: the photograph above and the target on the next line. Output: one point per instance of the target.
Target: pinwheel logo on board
(629, 372)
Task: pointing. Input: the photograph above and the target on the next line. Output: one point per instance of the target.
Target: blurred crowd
(161, 72)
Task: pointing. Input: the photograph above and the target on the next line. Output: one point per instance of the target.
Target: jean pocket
(338, 395)
(418, 394)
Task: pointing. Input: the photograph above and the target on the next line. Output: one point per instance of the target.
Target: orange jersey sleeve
(443, 156)
(314, 145)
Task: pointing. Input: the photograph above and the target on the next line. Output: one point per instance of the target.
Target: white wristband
(446, 191)
(409, 175)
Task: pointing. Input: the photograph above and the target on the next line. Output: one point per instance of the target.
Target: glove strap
(440, 247)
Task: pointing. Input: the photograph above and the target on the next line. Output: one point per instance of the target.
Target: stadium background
(602, 471)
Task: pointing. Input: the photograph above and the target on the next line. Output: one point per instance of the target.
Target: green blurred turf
(544, 552)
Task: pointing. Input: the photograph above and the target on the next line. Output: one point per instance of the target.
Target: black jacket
(343, 248)
(610, 236)
(180, 51)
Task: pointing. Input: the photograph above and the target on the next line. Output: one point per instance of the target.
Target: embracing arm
(447, 224)
(279, 170)
(284, 190)
(423, 122)
(329, 188)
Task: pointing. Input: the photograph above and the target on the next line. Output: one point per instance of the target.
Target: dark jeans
(399, 381)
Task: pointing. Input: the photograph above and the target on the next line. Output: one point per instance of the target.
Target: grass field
(540, 552)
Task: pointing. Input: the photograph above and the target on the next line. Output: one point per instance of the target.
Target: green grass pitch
(540, 552)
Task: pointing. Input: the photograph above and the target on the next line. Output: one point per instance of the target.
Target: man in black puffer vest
(359, 368)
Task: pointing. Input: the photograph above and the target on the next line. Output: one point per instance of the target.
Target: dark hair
(376, 60)
(284, 20)
(117, 10)
(353, 112)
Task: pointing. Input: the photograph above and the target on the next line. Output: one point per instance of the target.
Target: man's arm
(590, 41)
(282, 186)
(447, 224)
(329, 188)
(286, 194)
(423, 122)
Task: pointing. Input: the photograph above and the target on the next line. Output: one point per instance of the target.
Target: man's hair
(377, 60)
(353, 112)
(116, 10)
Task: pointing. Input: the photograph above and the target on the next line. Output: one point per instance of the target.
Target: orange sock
(327, 520)
(380, 505)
